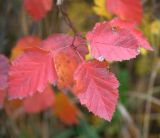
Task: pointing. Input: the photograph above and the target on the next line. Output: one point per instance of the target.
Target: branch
(129, 122)
(59, 2)
(148, 104)
(65, 16)
(145, 97)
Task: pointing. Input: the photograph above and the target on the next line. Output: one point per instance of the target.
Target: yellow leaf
(155, 27)
(100, 9)
(143, 51)
(89, 56)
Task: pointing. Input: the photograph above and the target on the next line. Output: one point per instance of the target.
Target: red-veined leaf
(37, 9)
(39, 101)
(96, 88)
(31, 72)
(143, 43)
(68, 53)
(130, 10)
(116, 41)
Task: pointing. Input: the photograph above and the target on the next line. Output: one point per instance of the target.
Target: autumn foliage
(60, 61)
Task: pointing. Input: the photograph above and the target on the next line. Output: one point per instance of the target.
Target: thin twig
(59, 2)
(145, 97)
(65, 16)
(129, 122)
(148, 104)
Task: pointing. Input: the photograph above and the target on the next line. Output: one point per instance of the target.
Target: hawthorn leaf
(37, 9)
(39, 101)
(96, 88)
(4, 67)
(31, 72)
(68, 54)
(116, 41)
(65, 110)
(126, 9)
(66, 62)
(131, 26)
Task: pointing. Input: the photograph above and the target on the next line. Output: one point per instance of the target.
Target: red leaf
(116, 41)
(4, 67)
(39, 101)
(59, 42)
(31, 72)
(37, 9)
(126, 9)
(97, 88)
(68, 52)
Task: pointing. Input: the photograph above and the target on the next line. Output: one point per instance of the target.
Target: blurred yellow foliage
(89, 56)
(82, 18)
(143, 51)
(155, 27)
(95, 120)
(142, 67)
(100, 9)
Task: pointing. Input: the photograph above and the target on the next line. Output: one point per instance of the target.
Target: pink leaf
(97, 88)
(39, 101)
(116, 40)
(37, 8)
(31, 72)
(143, 43)
(130, 10)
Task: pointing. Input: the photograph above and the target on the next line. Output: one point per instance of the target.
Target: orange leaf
(66, 63)
(65, 110)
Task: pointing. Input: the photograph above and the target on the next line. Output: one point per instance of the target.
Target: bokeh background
(138, 112)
